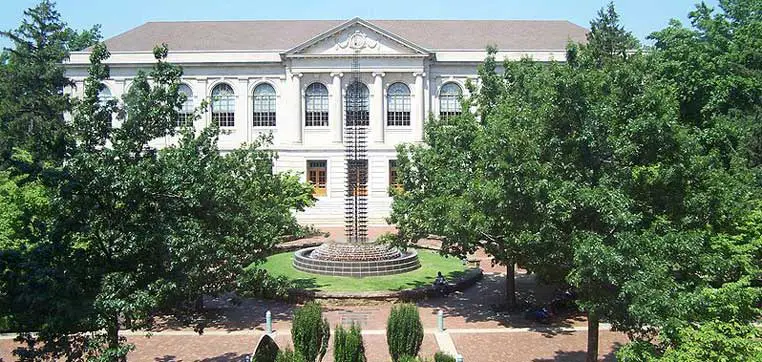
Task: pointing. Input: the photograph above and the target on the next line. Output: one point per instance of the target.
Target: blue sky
(639, 16)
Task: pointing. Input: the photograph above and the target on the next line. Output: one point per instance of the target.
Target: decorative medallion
(357, 41)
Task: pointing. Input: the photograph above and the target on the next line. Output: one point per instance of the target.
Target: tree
(136, 231)
(32, 82)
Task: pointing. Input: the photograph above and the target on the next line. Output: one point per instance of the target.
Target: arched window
(264, 106)
(449, 100)
(398, 105)
(316, 105)
(357, 104)
(223, 105)
(105, 95)
(185, 113)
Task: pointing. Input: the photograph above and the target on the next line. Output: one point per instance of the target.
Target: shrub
(406, 358)
(257, 283)
(347, 344)
(404, 331)
(443, 357)
(310, 332)
(289, 355)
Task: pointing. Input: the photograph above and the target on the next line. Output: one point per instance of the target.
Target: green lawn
(431, 262)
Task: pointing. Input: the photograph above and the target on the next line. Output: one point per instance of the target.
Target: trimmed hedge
(443, 357)
(310, 332)
(348, 345)
(404, 331)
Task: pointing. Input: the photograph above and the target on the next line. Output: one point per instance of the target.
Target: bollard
(268, 323)
(440, 321)
(458, 358)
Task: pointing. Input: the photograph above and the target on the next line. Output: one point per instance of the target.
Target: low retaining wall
(467, 280)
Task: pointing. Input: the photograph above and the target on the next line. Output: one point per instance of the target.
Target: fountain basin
(391, 263)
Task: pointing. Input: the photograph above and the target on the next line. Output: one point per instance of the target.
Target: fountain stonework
(356, 256)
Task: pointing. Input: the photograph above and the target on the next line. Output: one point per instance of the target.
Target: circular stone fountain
(355, 259)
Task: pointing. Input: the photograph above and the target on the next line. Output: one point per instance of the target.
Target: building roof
(281, 35)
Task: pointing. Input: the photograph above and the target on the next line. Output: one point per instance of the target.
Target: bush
(406, 358)
(443, 357)
(310, 332)
(289, 355)
(347, 345)
(257, 283)
(404, 331)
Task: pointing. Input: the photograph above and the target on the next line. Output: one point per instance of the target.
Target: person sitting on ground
(440, 280)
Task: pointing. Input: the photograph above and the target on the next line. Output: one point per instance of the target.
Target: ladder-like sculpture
(355, 140)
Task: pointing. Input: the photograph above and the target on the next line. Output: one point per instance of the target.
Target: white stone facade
(385, 59)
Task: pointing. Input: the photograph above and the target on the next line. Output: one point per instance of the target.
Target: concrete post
(459, 358)
(268, 322)
(440, 321)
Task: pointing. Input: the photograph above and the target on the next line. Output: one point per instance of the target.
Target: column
(201, 93)
(378, 126)
(336, 114)
(420, 116)
(242, 105)
(296, 84)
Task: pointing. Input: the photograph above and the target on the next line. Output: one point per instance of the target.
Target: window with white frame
(105, 95)
(357, 101)
(449, 100)
(264, 106)
(223, 105)
(316, 105)
(398, 105)
(185, 113)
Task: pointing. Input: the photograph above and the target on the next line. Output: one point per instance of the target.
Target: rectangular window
(317, 171)
(394, 182)
(357, 171)
(264, 119)
(316, 119)
(184, 119)
(362, 118)
(401, 118)
(224, 119)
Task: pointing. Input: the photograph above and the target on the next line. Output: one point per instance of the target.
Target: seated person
(440, 280)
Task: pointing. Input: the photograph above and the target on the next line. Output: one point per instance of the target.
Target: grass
(431, 263)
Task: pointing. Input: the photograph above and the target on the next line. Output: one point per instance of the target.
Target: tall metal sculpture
(355, 139)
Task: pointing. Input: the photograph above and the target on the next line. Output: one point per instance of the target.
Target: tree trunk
(510, 285)
(112, 334)
(200, 304)
(592, 337)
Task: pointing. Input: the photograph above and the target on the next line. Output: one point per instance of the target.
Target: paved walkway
(473, 327)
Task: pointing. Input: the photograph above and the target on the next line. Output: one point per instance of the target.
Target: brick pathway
(472, 325)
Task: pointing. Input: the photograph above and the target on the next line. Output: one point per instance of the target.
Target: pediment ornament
(357, 41)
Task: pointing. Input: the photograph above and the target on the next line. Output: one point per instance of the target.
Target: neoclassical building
(290, 78)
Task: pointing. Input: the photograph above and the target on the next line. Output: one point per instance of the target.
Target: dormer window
(316, 105)
(264, 106)
(398, 105)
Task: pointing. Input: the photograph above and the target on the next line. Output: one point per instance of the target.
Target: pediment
(357, 36)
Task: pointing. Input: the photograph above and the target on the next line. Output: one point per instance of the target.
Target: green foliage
(32, 84)
(406, 358)
(132, 230)
(257, 283)
(625, 173)
(310, 332)
(404, 331)
(710, 341)
(289, 355)
(443, 357)
(348, 345)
